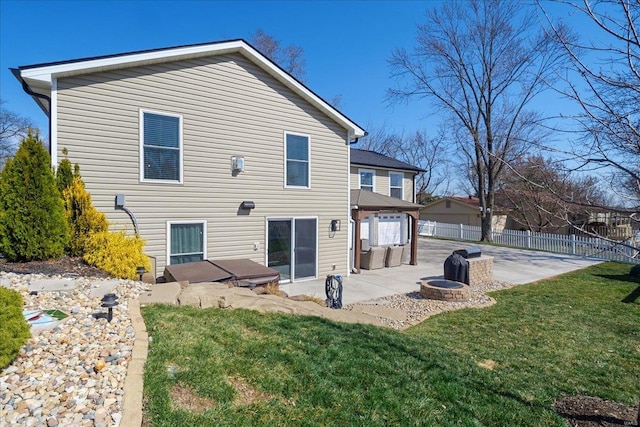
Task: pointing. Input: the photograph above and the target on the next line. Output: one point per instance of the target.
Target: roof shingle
(371, 158)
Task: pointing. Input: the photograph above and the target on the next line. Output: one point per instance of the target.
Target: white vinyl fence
(594, 247)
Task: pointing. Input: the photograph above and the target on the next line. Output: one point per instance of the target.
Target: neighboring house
(383, 201)
(216, 150)
(613, 225)
(460, 210)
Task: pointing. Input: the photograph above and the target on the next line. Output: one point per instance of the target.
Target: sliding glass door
(292, 246)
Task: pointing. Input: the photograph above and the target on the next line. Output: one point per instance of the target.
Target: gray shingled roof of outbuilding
(372, 158)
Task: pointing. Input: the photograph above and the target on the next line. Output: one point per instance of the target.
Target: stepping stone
(162, 293)
(52, 285)
(100, 288)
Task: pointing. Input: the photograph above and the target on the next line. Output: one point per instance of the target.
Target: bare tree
(530, 190)
(429, 154)
(481, 63)
(290, 57)
(12, 127)
(607, 90)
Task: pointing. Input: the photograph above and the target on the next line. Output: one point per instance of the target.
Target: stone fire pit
(444, 290)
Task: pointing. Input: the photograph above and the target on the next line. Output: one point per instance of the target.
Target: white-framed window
(186, 241)
(367, 179)
(160, 147)
(297, 167)
(396, 189)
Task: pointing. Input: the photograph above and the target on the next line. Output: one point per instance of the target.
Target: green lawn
(498, 366)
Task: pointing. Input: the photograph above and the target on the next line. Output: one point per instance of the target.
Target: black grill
(473, 252)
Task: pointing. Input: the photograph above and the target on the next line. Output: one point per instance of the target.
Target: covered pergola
(365, 203)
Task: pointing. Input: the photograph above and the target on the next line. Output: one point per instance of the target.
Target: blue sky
(346, 43)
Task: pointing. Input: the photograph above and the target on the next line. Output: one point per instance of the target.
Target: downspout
(415, 197)
(28, 90)
(350, 242)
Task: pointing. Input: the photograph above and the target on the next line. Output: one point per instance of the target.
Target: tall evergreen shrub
(83, 218)
(64, 175)
(32, 222)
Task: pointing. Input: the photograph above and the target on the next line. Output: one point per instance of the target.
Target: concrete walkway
(509, 265)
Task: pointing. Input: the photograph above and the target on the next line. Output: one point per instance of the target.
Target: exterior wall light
(237, 164)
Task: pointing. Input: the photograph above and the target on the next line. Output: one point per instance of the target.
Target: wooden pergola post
(414, 237)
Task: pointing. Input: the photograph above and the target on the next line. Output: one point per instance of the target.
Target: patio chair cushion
(373, 258)
(394, 256)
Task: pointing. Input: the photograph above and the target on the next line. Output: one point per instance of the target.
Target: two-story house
(214, 149)
(383, 194)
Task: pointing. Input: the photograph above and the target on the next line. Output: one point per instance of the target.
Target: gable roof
(363, 199)
(372, 158)
(38, 79)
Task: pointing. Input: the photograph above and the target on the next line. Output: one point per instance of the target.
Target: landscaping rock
(51, 285)
(163, 293)
(52, 381)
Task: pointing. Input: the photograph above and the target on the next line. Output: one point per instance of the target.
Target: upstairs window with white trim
(396, 188)
(187, 241)
(367, 178)
(161, 147)
(297, 163)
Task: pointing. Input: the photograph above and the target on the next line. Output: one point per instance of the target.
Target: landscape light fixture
(108, 302)
(140, 270)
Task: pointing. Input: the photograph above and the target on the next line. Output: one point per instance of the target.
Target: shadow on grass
(635, 294)
(632, 297)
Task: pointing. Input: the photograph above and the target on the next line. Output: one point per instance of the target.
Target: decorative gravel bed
(72, 374)
(419, 308)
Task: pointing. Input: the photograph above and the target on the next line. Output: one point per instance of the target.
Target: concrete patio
(509, 265)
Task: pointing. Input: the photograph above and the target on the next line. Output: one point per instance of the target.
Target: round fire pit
(444, 290)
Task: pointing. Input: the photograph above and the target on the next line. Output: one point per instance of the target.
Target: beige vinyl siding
(382, 181)
(408, 189)
(229, 106)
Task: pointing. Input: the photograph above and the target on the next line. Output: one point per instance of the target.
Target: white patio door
(292, 247)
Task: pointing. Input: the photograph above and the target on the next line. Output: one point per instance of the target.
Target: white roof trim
(44, 75)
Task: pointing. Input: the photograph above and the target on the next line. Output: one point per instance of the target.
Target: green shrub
(116, 253)
(14, 329)
(32, 223)
(82, 217)
(64, 175)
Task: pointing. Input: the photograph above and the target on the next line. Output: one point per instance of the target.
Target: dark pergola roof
(371, 158)
(367, 200)
(364, 203)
